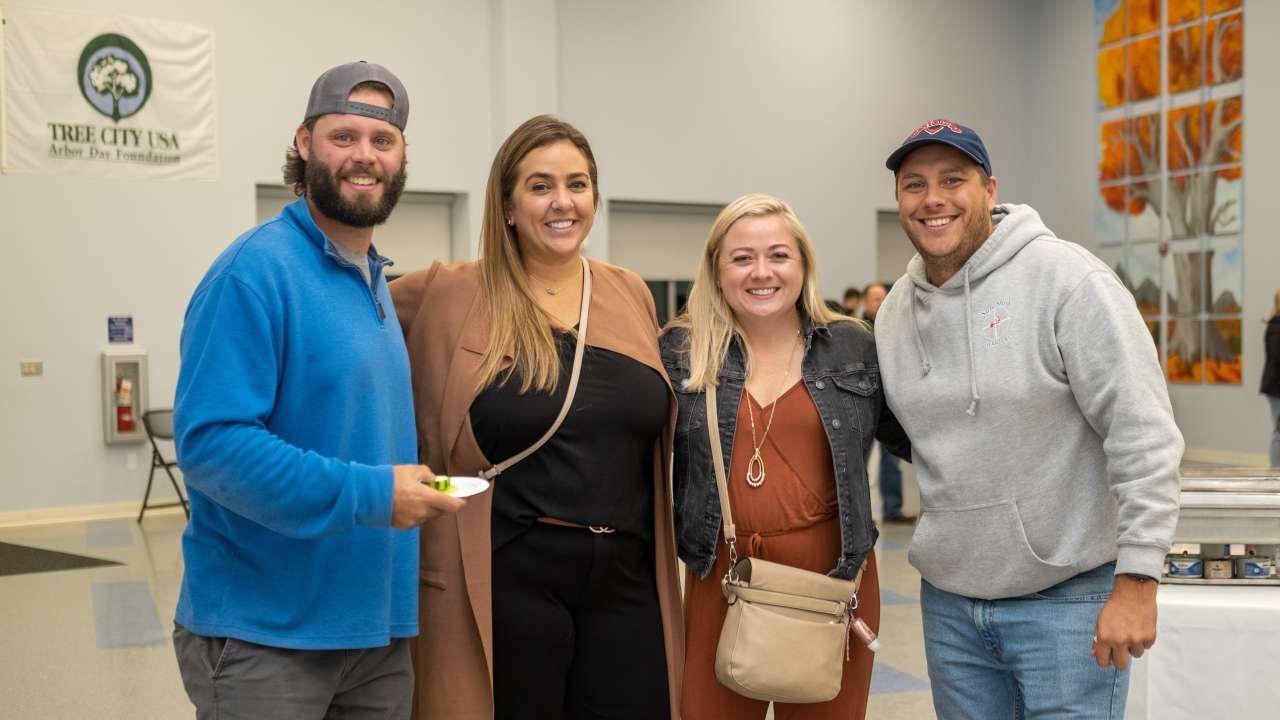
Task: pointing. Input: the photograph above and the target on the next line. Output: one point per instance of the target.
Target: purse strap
(578, 352)
(722, 489)
(722, 485)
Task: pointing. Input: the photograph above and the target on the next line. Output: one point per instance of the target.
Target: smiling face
(552, 205)
(945, 207)
(355, 164)
(760, 269)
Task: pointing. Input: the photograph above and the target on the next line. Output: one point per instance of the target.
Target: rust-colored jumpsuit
(792, 518)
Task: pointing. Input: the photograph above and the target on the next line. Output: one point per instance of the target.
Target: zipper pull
(382, 314)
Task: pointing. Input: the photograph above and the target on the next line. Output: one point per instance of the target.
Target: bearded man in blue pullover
(1043, 442)
(294, 427)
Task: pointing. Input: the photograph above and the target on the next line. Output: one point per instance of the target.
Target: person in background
(555, 593)
(1271, 377)
(852, 301)
(1044, 446)
(890, 472)
(798, 397)
(294, 428)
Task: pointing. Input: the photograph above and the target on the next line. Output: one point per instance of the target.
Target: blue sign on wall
(120, 329)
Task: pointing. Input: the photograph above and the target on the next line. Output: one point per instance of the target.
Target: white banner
(107, 96)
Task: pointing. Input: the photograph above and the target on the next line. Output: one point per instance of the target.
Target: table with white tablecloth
(1217, 656)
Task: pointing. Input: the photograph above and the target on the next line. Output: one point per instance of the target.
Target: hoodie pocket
(981, 552)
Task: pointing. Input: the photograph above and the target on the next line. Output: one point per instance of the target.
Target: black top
(598, 467)
(1271, 368)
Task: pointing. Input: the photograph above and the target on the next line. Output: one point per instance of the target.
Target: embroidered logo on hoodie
(997, 324)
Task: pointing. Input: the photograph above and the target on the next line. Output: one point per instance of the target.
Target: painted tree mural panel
(1142, 271)
(1169, 207)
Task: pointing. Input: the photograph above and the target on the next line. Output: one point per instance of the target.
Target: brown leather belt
(597, 529)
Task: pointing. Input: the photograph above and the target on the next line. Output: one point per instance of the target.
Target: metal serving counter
(1218, 640)
(1230, 505)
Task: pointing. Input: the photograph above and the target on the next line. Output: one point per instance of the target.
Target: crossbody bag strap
(578, 352)
(722, 485)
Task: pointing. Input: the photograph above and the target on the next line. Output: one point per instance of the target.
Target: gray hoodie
(1042, 438)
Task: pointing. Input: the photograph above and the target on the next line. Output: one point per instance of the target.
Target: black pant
(576, 628)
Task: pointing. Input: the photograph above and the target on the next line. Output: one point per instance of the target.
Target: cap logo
(933, 127)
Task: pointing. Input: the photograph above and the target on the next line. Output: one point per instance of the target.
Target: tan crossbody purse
(786, 635)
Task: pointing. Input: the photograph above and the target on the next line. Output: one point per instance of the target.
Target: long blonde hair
(517, 324)
(1275, 308)
(708, 317)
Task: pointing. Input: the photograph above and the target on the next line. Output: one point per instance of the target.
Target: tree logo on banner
(114, 76)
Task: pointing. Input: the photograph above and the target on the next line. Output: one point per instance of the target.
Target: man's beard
(977, 228)
(325, 190)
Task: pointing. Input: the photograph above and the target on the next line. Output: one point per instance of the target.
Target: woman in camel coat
(592, 506)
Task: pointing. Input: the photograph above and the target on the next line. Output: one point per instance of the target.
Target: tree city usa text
(113, 143)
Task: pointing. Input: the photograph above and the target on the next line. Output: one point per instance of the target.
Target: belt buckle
(601, 529)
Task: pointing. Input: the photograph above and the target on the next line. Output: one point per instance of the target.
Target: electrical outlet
(131, 461)
(32, 368)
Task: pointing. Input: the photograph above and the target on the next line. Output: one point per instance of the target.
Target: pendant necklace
(755, 467)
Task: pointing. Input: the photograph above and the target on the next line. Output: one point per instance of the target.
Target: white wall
(1061, 177)
(705, 101)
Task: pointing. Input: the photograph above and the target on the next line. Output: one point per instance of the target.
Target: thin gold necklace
(755, 467)
(549, 289)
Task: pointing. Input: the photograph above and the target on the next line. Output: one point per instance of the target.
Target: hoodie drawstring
(925, 365)
(973, 363)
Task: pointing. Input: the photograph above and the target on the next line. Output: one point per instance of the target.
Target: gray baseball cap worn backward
(330, 92)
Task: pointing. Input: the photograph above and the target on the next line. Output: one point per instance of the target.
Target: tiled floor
(94, 642)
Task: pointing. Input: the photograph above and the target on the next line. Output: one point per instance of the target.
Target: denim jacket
(842, 376)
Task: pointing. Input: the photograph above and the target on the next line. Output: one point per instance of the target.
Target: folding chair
(159, 426)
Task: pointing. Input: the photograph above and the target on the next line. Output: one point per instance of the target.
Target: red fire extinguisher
(124, 405)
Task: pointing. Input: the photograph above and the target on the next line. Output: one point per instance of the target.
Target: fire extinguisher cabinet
(124, 396)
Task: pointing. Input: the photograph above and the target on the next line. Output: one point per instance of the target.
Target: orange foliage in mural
(1114, 140)
(1111, 74)
(1144, 16)
(1184, 59)
(1114, 197)
(1226, 48)
(1113, 28)
(1216, 6)
(1144, 69)
(1183, 10)
(1229, 370)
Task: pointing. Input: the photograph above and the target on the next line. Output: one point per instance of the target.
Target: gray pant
(230, 679)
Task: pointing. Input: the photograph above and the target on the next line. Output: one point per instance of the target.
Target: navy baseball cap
(947, 133)
(329, 94)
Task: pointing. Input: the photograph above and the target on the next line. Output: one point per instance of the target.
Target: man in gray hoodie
(1043, 442)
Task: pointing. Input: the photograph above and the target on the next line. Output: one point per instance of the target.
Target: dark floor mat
(20, 560)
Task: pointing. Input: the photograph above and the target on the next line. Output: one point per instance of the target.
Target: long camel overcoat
(445, 322)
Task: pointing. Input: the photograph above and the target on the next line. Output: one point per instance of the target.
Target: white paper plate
(465, 486)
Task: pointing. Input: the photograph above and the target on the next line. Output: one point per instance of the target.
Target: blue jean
(1021, 658)
(1275, 430)
(890, 481)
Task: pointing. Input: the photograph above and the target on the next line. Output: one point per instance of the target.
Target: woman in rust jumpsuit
(799, 398)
